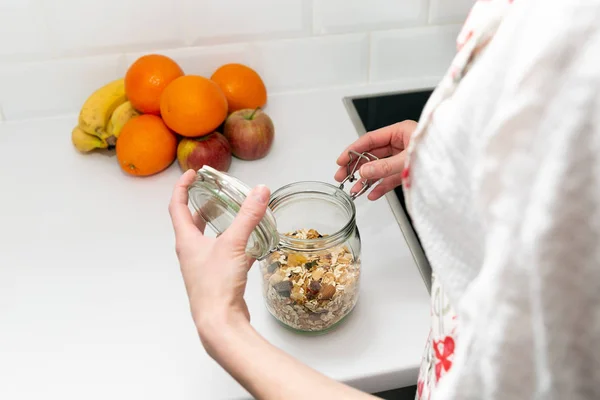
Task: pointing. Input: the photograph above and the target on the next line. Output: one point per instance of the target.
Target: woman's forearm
(269, 373)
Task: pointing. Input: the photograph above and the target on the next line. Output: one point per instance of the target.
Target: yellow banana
(98, 108)
(85, 142)
(119, 118)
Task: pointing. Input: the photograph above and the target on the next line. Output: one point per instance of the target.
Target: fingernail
(261, 194)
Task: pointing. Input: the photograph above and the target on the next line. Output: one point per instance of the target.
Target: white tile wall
(53, 54)
(407, 53)
(21, 29)
(292, 64)
(91, 26)
(53, 87)
(315, 62)
(449, 11)
(227, 20)
(332, 16)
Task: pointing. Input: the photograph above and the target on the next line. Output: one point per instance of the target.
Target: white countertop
(92, 304)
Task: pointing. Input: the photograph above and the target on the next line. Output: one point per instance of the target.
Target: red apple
(212, 150)
(250, 133)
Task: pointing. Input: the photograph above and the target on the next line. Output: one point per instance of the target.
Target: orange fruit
(242, 86)
(193, 106)
(146, 79)
(146, 146)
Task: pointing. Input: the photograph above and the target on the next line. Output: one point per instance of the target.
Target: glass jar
(307, 245)
(311, 280)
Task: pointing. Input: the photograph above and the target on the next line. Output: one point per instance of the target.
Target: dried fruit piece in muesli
(296, 259)
(284, 288)
(313, 289)
(273, 266)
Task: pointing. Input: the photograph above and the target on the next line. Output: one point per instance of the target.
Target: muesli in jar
(311, 291)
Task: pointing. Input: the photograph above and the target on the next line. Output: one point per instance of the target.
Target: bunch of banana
(118, 119)
(102, 117)
(85, 142)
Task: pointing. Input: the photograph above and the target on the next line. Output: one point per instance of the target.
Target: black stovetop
(377, 111)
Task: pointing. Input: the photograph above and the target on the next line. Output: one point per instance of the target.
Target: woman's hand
(388, 144)
(215, 273)
(215, 270)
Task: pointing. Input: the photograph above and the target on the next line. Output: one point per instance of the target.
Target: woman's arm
(267, 372)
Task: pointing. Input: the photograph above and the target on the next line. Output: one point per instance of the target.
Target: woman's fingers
(372, 140)
(199, 222)
(181, 217)
(394, 136)
(383, 168)
(386, 185)
(357, 186)
(381, 152)
(252, 211)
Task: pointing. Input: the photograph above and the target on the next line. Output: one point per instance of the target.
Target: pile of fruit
(157, 114)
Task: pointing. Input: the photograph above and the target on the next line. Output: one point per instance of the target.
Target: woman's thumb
(252, 211)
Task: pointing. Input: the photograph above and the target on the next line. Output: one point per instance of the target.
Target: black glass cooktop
(377, 111)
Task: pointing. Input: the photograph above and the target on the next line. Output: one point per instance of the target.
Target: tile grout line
(428, 13)
(258, 40)
(310, 9)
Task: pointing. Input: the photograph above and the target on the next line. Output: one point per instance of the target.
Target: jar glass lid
(217, 197)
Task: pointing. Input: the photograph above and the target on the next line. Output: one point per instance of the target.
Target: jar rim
(318, 244)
